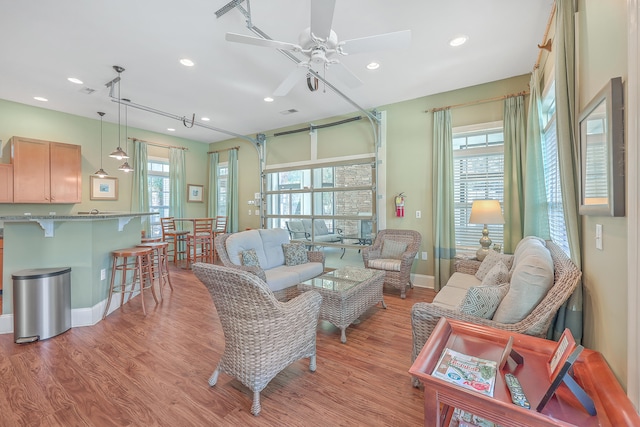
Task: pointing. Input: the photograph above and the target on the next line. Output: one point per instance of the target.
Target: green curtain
(177, 183)
(140, 190)
(568, 154)
(536, 215)
(212, 201)
(444, 233)
(232, 192)
(514, 151)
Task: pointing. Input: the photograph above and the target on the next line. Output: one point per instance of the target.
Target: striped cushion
(385, 264)
(393, 249)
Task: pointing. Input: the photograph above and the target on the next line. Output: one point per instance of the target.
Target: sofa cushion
(482, 301)
(393, 249)
(455, 290)
(294, 253)
(531, 279)
(282, 277)
(385, 264)
(250, 258)
(250, 239)
(491, 260)
(523, 245)
(272, 240)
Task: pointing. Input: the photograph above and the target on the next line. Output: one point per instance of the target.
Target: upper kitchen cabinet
(45, 172)
(6, 184)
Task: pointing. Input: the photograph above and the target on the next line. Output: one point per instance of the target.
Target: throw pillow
(250, 258)
(482, 301)
(294, 253)
(499, 273)
(490, 260)
(393, 249)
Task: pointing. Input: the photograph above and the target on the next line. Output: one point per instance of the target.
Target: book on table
(467, 371)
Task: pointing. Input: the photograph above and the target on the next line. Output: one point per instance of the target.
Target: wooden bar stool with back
(176, 239)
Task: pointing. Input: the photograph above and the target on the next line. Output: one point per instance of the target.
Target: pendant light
(125, 166)
(100, 172)
(119, 152)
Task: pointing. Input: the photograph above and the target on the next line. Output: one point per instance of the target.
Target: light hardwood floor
(136, 370)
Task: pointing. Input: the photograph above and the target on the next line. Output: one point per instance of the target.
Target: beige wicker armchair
(425, 316)
(262, 335)
(397, 271)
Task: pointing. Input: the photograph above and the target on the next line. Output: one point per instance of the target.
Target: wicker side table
(346, 294)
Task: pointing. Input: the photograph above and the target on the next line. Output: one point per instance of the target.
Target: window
(341, 195)
(223, 179)
(478, 173)
(557, 227)
(158, 182)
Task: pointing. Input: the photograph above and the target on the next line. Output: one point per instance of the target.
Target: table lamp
(485, 212)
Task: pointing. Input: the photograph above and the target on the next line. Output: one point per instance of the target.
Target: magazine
(462, 418)
(467, 371)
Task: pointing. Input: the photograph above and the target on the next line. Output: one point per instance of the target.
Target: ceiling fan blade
(322, 17)
(346, 76)
(257, 41)
(396, 40)
(294, 77)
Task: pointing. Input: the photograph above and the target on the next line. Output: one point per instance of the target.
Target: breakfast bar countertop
(78, 216)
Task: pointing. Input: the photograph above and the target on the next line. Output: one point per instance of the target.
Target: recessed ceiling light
(171, 129)
(268, 99)
(40, 98)
(74, 80)
(187, 62)
(373, 66)
(458, 40)
(205, 119)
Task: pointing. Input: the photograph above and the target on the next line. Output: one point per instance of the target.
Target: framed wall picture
(195, 193)
(104, 188)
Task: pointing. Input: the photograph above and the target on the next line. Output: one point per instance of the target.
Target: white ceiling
(44, 42)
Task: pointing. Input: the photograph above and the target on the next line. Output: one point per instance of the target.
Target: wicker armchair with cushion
(541, 277)
(393, 251)
(262, 335)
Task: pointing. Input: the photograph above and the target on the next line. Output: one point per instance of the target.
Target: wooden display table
(590, 371)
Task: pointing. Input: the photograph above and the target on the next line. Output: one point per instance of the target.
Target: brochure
(467, 371)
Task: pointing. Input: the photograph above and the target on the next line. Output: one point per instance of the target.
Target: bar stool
(138, 262)
(177, 239)
(150, 239)
(200, 242)
(159, 263)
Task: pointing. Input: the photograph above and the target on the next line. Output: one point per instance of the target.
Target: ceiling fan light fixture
(458, 40)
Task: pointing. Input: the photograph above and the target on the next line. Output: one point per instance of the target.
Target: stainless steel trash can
(41, 303)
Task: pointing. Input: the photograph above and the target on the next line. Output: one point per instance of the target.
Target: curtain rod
(226, 149)
(157, 144)
(479, 101)
(546, 44)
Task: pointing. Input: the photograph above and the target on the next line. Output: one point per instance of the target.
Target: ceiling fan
(319, 43)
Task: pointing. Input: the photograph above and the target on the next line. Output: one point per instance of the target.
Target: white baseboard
(423, 281)
(87, 316)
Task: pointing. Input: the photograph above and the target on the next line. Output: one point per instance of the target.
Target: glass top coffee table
(346, 294)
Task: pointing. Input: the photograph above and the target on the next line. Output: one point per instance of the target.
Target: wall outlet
(418, 214)
(250, 211)
(103, 274)
(424, 256)
(257, 212)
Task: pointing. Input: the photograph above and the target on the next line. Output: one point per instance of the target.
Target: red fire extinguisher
(400, 205)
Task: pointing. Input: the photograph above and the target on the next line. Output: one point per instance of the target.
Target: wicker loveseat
(262, 336)
(566, 277)
(272, 268)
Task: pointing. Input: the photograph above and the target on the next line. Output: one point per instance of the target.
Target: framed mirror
(602, 153)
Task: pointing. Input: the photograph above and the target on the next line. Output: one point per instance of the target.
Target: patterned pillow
(294, 253)
(482, 301)
(392, 249)
(492, 259)
(250, 258)
(498, 274)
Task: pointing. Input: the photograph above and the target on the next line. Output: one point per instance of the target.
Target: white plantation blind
(478, 173)
(557, 227)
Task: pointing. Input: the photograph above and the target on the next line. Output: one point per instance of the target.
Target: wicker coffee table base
(342, 308)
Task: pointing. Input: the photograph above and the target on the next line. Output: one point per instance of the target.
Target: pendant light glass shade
(100, 172)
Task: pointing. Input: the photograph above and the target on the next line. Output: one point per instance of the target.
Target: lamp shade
(486, 212)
